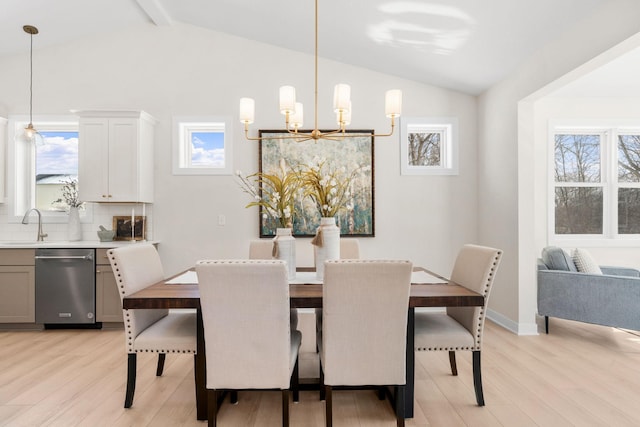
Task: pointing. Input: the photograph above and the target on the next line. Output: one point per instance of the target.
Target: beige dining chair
(364, 333)
(263, 249)
(249, 343)
(349, 249)
(148, 330)
(461, 328)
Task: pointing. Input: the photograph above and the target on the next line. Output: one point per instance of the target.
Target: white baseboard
(510, 325)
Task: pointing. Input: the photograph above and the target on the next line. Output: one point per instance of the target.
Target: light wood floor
(580, 375)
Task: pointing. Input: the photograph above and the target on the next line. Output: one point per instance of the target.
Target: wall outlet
(222, 220)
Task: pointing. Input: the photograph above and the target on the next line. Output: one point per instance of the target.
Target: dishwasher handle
(85, 257)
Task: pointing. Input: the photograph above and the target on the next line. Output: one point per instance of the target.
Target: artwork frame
(416, 158)
(122, 227)
(356, 222)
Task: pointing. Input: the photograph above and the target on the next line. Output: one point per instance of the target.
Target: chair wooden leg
(546, 324)
(131, 380)
(233, 397)
(452, 362)
(322, 386)
(328, 407)
(212, 405)
(294, 383)
(399, 405)
(477, 378)
(160, 369)
(285, 408)
(381, 393)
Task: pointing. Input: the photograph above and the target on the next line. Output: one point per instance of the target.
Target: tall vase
(74, 228)
(327, 242)
(284, 248)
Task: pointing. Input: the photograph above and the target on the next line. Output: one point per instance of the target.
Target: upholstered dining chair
(349, 249)
(461, 328)
(249, 343)
(364, 333)
(263, 249)
(148, 330)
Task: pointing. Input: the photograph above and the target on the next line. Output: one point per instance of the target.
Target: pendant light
(30, 135)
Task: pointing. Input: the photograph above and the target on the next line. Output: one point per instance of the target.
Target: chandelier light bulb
(393, 103)
(247, 110)
(287, 99)
(341, 97)
(296, 119)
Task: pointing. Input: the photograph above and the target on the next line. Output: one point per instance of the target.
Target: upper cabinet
(3, 150)
(115, 156)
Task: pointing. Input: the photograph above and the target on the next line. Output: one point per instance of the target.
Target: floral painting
(344, 166)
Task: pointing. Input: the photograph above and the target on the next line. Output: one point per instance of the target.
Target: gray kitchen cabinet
(108, 303)
(17, 286)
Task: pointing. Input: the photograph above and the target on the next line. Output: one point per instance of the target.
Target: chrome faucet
(25, 220)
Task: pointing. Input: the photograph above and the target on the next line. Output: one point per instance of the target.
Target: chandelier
(293, 111)
(30, 134)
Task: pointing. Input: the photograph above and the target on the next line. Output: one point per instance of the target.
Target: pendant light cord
(31, 80)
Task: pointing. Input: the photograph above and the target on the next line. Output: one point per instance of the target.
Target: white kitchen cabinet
(115, 156)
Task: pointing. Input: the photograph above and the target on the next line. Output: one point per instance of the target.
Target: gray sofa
(610, 299)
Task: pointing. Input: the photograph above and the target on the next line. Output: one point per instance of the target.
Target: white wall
(509, 155)
(181, 70)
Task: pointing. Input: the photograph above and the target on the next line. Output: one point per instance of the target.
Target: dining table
(428, 289)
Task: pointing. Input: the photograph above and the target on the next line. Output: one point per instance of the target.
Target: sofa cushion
(556, 258)
(584, 262)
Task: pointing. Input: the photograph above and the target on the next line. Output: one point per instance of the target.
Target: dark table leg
(410, 365)
(201, 371)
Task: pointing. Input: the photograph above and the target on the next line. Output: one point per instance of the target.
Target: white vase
(285, 249)
(74, 228)
(328, 244)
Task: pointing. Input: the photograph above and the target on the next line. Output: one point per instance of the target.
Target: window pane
(207, 149)
(629, 211)
(56, 162)
(629, 158)
(424, 149)
(578, 210)
(577, 158)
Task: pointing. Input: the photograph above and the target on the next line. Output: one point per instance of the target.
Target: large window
(596, 185)
(37, 173)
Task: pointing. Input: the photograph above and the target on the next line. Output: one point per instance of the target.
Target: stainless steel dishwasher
(65, 286)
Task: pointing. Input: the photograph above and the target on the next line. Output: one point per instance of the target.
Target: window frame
(447, 127)
(21, 170)
(183, 127)
(609, 131)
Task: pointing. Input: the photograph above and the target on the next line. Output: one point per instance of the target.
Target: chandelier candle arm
(292, 110)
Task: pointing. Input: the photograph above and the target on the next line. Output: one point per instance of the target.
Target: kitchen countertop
(7, 244)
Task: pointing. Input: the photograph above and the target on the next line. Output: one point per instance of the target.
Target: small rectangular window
(429, 146)
(202, 146)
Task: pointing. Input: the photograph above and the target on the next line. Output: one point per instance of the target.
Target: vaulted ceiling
(465, 45)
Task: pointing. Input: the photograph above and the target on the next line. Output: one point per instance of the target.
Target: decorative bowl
(106, 235)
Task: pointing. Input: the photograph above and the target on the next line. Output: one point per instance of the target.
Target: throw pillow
(556, 258)
(584, 262)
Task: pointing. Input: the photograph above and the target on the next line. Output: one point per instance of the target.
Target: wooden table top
(444, 293)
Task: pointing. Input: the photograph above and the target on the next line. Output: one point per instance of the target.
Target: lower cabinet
(108, 303)
(17, 286)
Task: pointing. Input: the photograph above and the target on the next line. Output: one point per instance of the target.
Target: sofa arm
(592, 298)
(619, 271)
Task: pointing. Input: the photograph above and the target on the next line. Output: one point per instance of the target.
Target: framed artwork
(429, 146)
(349, 154)
(122, 226)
